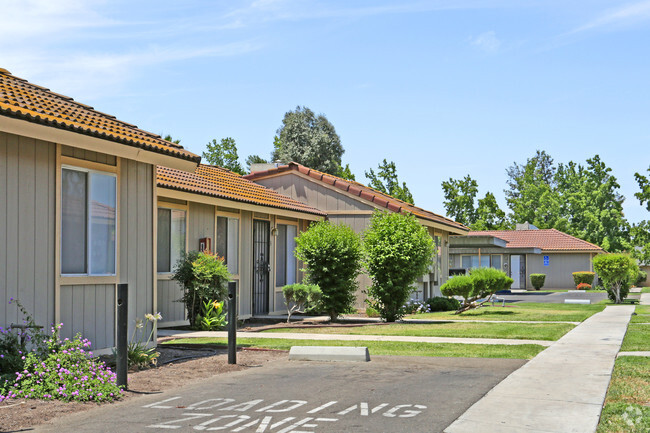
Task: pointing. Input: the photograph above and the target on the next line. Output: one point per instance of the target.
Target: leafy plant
(371, 312)
(584, 286)
(415, 307)
(139, 353)
(204, 277)
(537, 280)
(67, 373)
(299, 296)
(442, 303)
(583, 277)
(481, 283)
(397, 251)
(641, 277)
(617, 272)
(331, 254)
(212, 316)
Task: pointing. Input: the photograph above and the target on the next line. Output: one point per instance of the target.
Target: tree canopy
(386, 181)
(644, 185)
(309, 140)
(224, 154)
(460, 204)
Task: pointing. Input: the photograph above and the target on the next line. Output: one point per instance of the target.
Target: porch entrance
(261, 267)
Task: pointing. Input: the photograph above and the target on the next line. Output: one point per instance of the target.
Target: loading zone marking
(259, 417)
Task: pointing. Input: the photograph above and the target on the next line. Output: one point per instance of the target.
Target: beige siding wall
(646, 269)
(560, 269)
(90, 311)
(27, 230)
(88, 155)
(313, 194)
(136, 237)
(172, 312)
(245, 289)
(201, 225)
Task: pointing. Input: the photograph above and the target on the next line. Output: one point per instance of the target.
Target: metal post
(232, 323)
(121, 355)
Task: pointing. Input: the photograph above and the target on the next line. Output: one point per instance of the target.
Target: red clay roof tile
(545, 239)
(218, 182)
(23, 100)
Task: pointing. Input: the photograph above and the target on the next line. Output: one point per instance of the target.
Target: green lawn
(523, 351)
(522, 311)
(527, 331)
(637, 338)
(645, 290)
(643, 314)
(626, 407)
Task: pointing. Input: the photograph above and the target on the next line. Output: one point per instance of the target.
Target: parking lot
(387, 394)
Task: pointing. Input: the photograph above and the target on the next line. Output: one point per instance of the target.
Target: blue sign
(546, 261)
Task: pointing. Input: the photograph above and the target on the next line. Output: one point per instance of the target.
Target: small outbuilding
(524, 251)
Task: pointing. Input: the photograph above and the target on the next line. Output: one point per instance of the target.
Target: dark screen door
(261, 267)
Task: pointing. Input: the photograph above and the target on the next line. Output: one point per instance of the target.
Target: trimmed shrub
(397, 251)
(299, 296)
(583, 286)
(371, 312)
(641, 277)
(332, 255)
(583, 277)
(204, 278)
(617, 272)
(441, 303)
(537, 280)
(480, 283)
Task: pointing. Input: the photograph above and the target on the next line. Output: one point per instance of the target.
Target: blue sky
(443, 88)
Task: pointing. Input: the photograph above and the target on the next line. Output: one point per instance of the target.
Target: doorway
(261, 267)
(518, 271)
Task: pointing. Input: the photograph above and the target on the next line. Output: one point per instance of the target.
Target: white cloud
(621, 17)
(487, 42)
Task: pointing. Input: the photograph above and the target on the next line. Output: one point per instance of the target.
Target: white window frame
(275, 276)
(88, 238)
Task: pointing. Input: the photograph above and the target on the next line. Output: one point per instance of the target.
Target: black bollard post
(122, 324)
(232, 323)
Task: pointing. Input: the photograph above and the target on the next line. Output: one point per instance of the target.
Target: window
(470, 262)
(228, 242)
(171, 238)
(285, 261)
(88, 222)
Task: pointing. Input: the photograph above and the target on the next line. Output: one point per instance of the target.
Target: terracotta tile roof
(363, 191)
(23, 100)
(218, 182)
(546, 240)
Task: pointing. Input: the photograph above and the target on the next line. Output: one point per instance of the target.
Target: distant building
(524, 251)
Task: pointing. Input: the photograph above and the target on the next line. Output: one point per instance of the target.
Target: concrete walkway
(633, 353)
(645, 299)
(348, 337)
(560, 390)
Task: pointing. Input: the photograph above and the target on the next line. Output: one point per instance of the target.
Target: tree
(345, 172)
(640, 242)
(386, 181)
(397, 250)
(309, 140)
(481, 283)
(531, 194)
(170, 139)
(644, 185)
(332, 255)
(617, 272)
(223, 154)
(300, 296)
(254, 159)
(460, 196)
(459, 199)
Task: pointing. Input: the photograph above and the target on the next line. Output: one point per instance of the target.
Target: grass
(522, 311)
(626, 406)
(456, 350)
(643, 314)
(645, 290)
(637, 338)
(526, 331)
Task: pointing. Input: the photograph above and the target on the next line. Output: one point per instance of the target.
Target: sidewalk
(348, 337)
(560, 390)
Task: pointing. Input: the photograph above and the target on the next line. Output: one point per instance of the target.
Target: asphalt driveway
(551, 297)
(387, 394)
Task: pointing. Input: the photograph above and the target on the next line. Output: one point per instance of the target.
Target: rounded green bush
(583, 277)
(441, 303)
(537, 280)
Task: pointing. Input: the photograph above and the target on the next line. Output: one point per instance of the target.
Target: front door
(518, 271)
(261, 267)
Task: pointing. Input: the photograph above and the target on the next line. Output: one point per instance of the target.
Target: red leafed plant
(584, 286)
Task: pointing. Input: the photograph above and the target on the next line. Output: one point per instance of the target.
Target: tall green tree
(224, 154)
(460, 204)
(254, 159)
(531, 194)
(345, 172)
(386, 181)
(640, 242)
(460, 196)
(170, 139)
(309, 140)
(644, 185)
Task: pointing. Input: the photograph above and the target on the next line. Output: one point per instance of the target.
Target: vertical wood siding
(89, 310)
(168, 293)
(88, 155)
(201, 225)
(246, 264)
(27, 210)
(136, 237)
